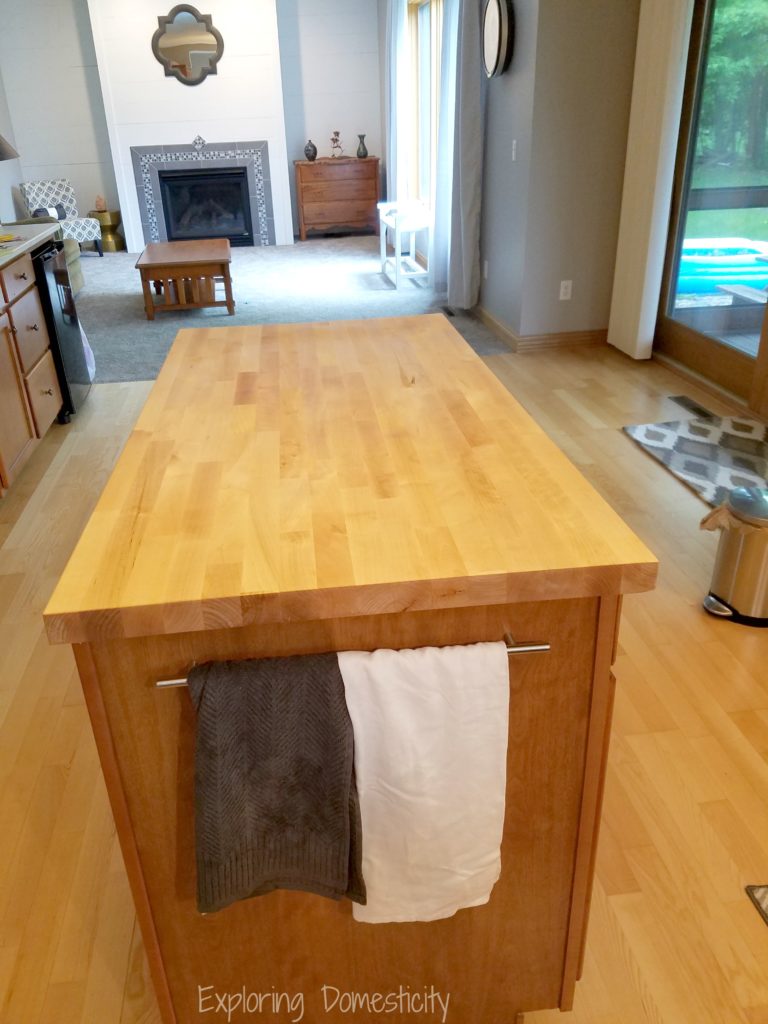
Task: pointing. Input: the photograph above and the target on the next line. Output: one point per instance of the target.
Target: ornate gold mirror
(187, 44)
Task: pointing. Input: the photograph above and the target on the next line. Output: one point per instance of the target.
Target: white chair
(41, 195)
(405, 218)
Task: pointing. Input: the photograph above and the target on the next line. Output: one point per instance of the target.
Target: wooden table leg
(185, 286)
(149, 304)
(228, 290)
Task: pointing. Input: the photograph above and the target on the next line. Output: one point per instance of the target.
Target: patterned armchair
(44, 195)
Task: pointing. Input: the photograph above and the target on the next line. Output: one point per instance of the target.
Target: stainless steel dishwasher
(71, 352)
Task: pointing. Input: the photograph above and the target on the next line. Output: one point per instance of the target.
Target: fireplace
(238, 206)
(209, 203)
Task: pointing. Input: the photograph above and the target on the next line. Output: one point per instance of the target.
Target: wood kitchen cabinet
(17, 431)
(30, 397)
(337, 192)
(350, 486)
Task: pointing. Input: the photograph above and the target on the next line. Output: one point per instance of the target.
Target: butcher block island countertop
(298, 488)
(319, 470)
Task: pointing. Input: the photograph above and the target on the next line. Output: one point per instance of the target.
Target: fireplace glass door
(207, 204)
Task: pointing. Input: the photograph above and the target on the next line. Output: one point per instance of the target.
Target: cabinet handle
(47, 391)
(22, 277)
(32, 327)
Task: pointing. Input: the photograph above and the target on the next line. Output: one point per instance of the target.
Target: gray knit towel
(276, 804)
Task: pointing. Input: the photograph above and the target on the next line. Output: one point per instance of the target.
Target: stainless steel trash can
(739, 588)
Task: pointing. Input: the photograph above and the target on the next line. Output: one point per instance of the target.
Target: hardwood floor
(69, 948)
(673, 939)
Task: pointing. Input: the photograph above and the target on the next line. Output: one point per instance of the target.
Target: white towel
(430, 728)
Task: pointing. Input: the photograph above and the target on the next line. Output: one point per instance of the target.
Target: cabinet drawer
(29, 329)
(352, 188)
(355, 211)
(44, 393)
(17, 277)
(17, 433)
(337, 170)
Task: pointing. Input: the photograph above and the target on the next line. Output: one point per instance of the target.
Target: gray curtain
(455, 255)
(464, 264)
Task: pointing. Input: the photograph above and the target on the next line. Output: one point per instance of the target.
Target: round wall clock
(498, 36)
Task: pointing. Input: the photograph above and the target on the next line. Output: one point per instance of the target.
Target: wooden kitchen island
(299, 488)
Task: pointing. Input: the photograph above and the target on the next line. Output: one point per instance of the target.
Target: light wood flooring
(673, 939)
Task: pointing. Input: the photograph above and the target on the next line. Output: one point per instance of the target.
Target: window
(425, 32)
(714, 303)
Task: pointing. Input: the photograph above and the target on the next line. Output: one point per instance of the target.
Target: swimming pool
(706, 263)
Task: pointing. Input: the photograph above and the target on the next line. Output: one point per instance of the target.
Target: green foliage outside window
(732, 143)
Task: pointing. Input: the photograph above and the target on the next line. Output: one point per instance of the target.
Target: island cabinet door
(17, 431)
(519, 952)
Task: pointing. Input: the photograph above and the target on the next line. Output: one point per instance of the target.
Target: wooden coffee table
(184, 274)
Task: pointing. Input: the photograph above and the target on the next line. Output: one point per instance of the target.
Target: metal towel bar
(523, 648)
(512, 648)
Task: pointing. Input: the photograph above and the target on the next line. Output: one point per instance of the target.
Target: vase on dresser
(310, 150)
(362, 150)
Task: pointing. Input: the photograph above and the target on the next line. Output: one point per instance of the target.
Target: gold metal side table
(111, 240)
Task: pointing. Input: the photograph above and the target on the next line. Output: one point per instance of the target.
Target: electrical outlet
(566, 290)
(485, 270)
(514, 149)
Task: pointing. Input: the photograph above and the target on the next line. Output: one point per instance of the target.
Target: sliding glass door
(716, 282)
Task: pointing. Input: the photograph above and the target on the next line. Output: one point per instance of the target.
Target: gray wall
(10, 170)
(553, 214)
(329, 58)
(52, 88)
(509, 118)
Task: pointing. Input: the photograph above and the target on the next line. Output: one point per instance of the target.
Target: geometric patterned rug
(711, 455)
(759, 896)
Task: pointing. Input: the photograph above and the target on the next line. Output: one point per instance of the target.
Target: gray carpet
(322, 279)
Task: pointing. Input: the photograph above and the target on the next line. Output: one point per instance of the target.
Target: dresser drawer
(17, 277)
(29, 329)
(355, 211)
(44, 393)
(350, 188)
(336, 170)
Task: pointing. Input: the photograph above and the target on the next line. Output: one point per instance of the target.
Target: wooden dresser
(30, 397)
(349, 486)
(337, 192)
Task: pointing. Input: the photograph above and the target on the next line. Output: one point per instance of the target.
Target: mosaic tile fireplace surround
(148, 161)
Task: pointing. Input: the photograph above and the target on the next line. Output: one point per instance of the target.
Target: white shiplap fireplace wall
(243, 101)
